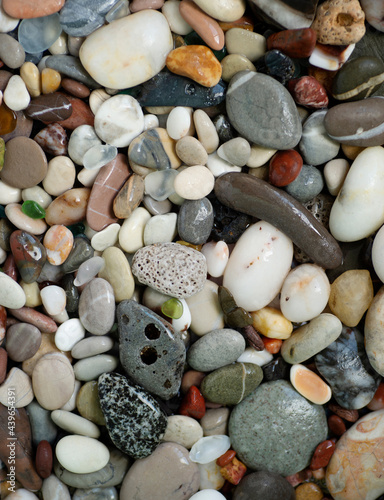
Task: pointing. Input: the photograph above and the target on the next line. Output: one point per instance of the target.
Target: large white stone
(258, 265)
(128, 51)
(81, 454)
(358, 210)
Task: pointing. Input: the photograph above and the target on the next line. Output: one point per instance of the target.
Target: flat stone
(263, 111)
(11, 293)
(316, 146)
(195, 221)
(11, 52)
(81, 454)
(97, 307)
(88, 403)
(84, 17)
(23, 340)
(25, 9)
(126, 407)
(268, 484)
(49, 108)
(91, 367)
(223, 11)
(151, 353)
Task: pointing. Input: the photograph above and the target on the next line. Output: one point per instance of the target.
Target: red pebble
(81, 114)
(297, 43)
(299, 477)
(44, 459)
(3, 364)
(308, 92)
(193, 404)
(284, 167)
(272, 345)
(377, 402)
(336, 425)
(10, 268)
(234, 471)
(348, 415)
(226, 458)
(322, 454)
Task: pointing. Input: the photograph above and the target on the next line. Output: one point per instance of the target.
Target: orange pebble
(310, 385)
(272, 345)
(7, 120)
(226, 458)
(58, 242)
(377, 402)
(234, 471)
(50, 80)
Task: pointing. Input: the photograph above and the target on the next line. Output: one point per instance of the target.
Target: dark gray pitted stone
(151, 353)
(344, 365)
(71, 66)
(195, 221)
(263, 111)
(308, 184)
(316, 146)
(82, 250)
(268, 485)
(83, 17)
(277, 429)
(134, 419)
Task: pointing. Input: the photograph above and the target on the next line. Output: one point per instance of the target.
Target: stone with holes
(151, 352)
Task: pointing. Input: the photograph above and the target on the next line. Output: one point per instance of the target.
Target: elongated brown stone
(255, 197)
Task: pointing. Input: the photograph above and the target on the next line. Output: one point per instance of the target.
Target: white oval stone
(378, 254)
(16, 95)
(305, 293)
(81, 454)
(206, 131)
(98, 156)
(131, 236)
(210, 476)
(9, 194)
(69, 334)
(205, 309)
(220, 166)
(209, 448)
(91, 346)
(119, 120)
(194, 183)
(207, 494)
(11, 293)
(91, 368)
(54, 299)
(75, 424)
(8, 23)
(216, 254)
(87, 177)
(82, 139)
(22, 494)
(160, 229)
(358, 210)
(60, 177)
(335, 172)
(106, 238)
(183, 430)
(258, 265)
(150, 121)
(182, 324)
(128, 51)
(223, 10)
(179, 122)
(250, 355)
(176, 22)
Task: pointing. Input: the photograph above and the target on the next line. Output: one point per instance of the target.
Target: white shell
(209, 448)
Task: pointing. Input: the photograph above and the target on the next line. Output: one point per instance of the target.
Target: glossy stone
(39, 33)
(53, 139)
(70, 66)
(69, 207)
(308, 92)
(126, 407)
(195, 221)
(24, 9)
(33, 209)
(296, 43)
(284, 167)
(30, 255)
(154, 149)
(307, 185)
(316, 145)
(97, 320)
(49, 108)
(23, 341)
(277, 65)
(193, 404)
(309, 384)
(291, 15)
(80, 252)
(203, 24)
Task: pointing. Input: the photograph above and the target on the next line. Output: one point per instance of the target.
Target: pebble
(94, 319)
(53, 140)
(74, 424)
(285, 167)
(297, 43)
(271, 323)
(16, 95)
(91, 346)
(83, 18)
(69, 334)
(247, 43)
(23, 341)
(268, 484)
(81, 251)
(308, 92)
(373, 13)
(209, 448)
(11, 293)
(233, 63)
(58, 242)
(92, 367)
(205, 130)
(183, 430)
(215, 421)
(195, 221)
(226, 12)
(207, 494)
(155, 149)
(372, 333)
(44, 459)
(60, 176)
(12, 52)
(71, 67)
(204, 306)
(81, 454)
(53, 486)
(7, 23)
(203, 24)
(20, 383)
(96, 494)
(15, 214)
(216, 255)
(179, 122)
(310, 385)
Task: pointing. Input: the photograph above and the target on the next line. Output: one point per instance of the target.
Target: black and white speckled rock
(134, 419)
(82, 17)
(151, 353)
(171, 268)
(195, 221)
(345, 366)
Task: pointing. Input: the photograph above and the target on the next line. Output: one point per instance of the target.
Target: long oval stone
(97, 307)
(256, 197)
(68, 208)
(373, 332)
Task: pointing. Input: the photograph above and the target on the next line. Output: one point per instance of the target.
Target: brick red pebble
(298, 43)
(81, 114)
(336, 425)
(348, 415)
(77, 89)
(284, 167)
(3, 364)
(272, 345)
(322, 454)
(191, 377)
(44, 459)
(299, 477)
(193, 404)
(234, 471)
(3, 322)
(308, 92)
(377, 402)
(10, 268)
(41, 321)
(226, 458)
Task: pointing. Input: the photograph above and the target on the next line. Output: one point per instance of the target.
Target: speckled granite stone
(134, 420)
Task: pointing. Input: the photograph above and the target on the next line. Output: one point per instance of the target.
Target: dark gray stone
(151, 353)
(81, 251)
(308, 184)
(71, 66)
(134, 419)
(264, 485)
(195, 221)
(83, 17)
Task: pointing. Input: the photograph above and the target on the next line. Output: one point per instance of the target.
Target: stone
(53, 486)
(126, 407)
(277, 65)
(233, 63)
(286, 448)
(81, 114)
(349, 479)
(60, 176)
(36, 318)
(309, 491)
(160, 229)
(70, 66)
(268, 484)
(271, 323)
(9, 122)
(30, 73)
(117, 272)
(316, 146)
(68, 208)
(16, 95)
(183, 430)
(248, 92)
(127, 68)
(14, 212)
(49, 108)
(345, 366)
(29, 254)
(372, 332)
(38, 34)
(284, 167)
(91, 346)
(154, 149)
(25, 163)
(75, 88)
(196, 62)
(69, 334)
(25, 9)
(339, 22)
(373, 13)
(216, 349)
(11, 53)
(242, 41)
(291, 15)
(195, 221)
(53, 140)
(204, 306)
(44, 459)
(308, 92)
(216, 255)
(41, 424)
(95, 319)
(215, 421)
(11, 293)
(209, 29)
(58, 242)
(109, 493)
(23, 341)
(307, 185)
(310, 385)
(81, 454)
(17, 385)
(150, 352)
(83, 18)
(174, 476)
(356, 123)
(88, 403)
(230, 384)
(296, 43)
(193, 404)
(81, 251)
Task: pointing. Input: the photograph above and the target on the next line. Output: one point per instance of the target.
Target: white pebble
(22, 494)
(16, 95)
(87, 177)
(11, 293)
(60, 177)
(82, 139)
(220, 166)
(9, 194)
(81, 454)
(97, 98)
(183, 430)
(206, 131)
(175, 20)
(260, 358)
(182, 324)
(38, 194)
(60, 46)
(209, 448)
(335, 172)
(179, 122)
(150, 121)
(106, 238)
(3, 256)
(54, 299)
(259, 156)
(69, 334)
(160, 229)
(194, 183)
(8, 23)
(88, 270)
(210, 476)
(131, 235)
(98, 156)
(208, 494)
(75, 424)
(216, 254)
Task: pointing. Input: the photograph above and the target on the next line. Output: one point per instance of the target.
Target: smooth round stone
(39, 33)
(219, 166)
(91, 346)
(14, 213)
(30, 73)
(191, 151)
(9, 194)
(106, 238)
(88, 270)
(53, 139)
(119, 120)
(249, 44)
(310, 385)
(236, 151)
(206, 313)
(335, 172)
(308, 184)
(7, 23)
(81, 454)
(11, 293)
(84, 17)
(58, 242)
(374, 13)
(96, 494)
(81, 251)
(117, 272)
(22, 494)
(316, 145)
(53, 380)
(206, 27)
(285, 448)
(233, 63)
(160, 185)
(24, 9)
(68, 208)
(98, 156)
(206, 131)
(18, 382)
(176, 22)
(23, 341)
(51, 108)
(227, 11)
(209, 448)
(195, 221)
(160, 229)
(268, 485)
(96, 319)
(92, 367)
(253, 279)
(53, 487)
(215, 421)
(16, 95)
(194, 183)
(41, 424)
(69, 334)
(11, 52)
(88, 404)
(25, 163)
(216, 255)
(183, 430)
(60, 177)
(147, 31)
(54, 299)
(279, 125)
(351, 218)
(82, 139)
(74, 424)
(179, 122)
(50, 80)
(207, 494)
(37, 194)
(377, 252)
(131, 235)
(70, 405)
(216, 349)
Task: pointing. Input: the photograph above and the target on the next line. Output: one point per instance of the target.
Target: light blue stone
(39, 33)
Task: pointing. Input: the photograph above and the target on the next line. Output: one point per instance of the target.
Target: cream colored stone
(9, 194)
(60, 46)
(271, 323)
(205, 309)
(60, 176)
(183, 430)
(233, 63)
(259, 156)
(106, 238)
(223, 10)
(30, 73)
(176, 22)
(247, 43)
(335, 172)
(32, 294)
(81, 454)
(131, 236)
(117, 272)
(194, 182)
(17, 385)
(16, 95)
(75, 424)
(37, 194)
(206, 131)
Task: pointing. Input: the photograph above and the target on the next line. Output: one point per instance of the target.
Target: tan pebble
(171, 10)
(129, 197)
(36, 193)
(227, 11)
(60, 46)
(68, 208)
(32, 294)
(351, 152)
(196, 62)
(259, 156)
(22, 221)
(183, 430)
(205, 309)
(50, 80)
(191, 151)
(60, 176)
(271, 323)
(131, 235)
(310, 385)
(97, 98)
(75, 88)
(215, 421)
(47, 345)
(87, 177)
(335, 172)
(159, 110)
(194, 182)
(191, 377)
(206, 131)
(249, 44)
(88, 403)
(30, 73)
(21, 387)
(233, 63)
(117, 272)
(58, 241)
(309, 491)
(204, 25)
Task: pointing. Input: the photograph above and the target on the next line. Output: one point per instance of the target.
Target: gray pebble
(195, 221)
(11, 51)
(308, 184)
(315, 145)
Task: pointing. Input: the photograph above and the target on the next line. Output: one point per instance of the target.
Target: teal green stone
(194, 39)
(77, 229)
(172, 308)
(230, 384)
(33, 209)
(2, 212)
(2, 152)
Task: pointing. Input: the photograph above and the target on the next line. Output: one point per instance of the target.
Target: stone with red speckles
(308, 92)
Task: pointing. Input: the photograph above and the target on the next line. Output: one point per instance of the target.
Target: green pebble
(2, 152)
(238, 318)
(33, 209)
(77, 229)
(227, 302)
(172, 308)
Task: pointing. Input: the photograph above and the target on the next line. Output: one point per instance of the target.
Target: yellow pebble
(30, 74)
(50, 80)
(351, 152)
(32, 294)
(271, 323)
(308, 491)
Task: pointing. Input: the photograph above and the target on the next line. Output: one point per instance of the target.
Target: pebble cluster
(191, 249)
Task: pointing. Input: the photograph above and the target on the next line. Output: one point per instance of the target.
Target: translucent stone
(54, 299)
(33, 209)
(260, 358)
(159, 184)
(98, 156)
(77, 229)
(39, 33)
(172, 308)
(82, 139)
(7, 120)
(88, 270)
(119, 10)
(209, 448)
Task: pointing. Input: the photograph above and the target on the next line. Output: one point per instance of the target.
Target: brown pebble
(4, 79)
(10, 268)
(309, 491)
(299, 477)
(3, 364)
(41, 321)
(3, 323)
(190, 378)
(129, 197)
(336, 425)
(44, 459)
(348, 415)
(47, 346)
(22, 341)
(75, 88)
(81, 114)
(68, 208)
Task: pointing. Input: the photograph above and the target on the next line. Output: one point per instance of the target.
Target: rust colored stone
(3, 364)
(81, 114)
(193, 404)
(377, 402)
(226, 458)
(284, 167)
(308, 92)
(3, 323)
(348, 415)
(44, 459)
(77, 89)
(322, 454)
(272, 345)
(336, 425)
(244, 22)
(10, 267)
(234, 471)
(297, 43)
(41, 321)
(26, 9)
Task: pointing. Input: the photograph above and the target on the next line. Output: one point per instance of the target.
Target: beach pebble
(106, 237)
(160, 229)
(60, 176)
(247, 43)
(373, 339)
(179, 122)
(16, 95)
(12, 52)
(117, 272)
(11, 293)
(195, 221)
(191, 151)
(82, 139)
(316, 145)
(236, 151)
(58, 242)
(335, 172)
(81, 454)
(216, 254)
(271, 323)
(209, 448)
(23, 341)
(223, 11)
(68, 208)
(209, 29)
(206, 130)
(310, 385)
(74, 424)
(194, 183)
(92, 367)
(131, 235)
(183, 430)
(96, 319)
(204, 306)
(20, 384)
(91, 346)
(69, 334)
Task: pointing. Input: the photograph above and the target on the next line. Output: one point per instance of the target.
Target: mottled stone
(30, 255)
(154, 149)
(268, 485)
(84, 17)
(97, 307)
(195, 221)
(68, 208)
(88, 403)
(98, 493)
(134, 420)
(23, 340)
(291, 14)
(298, 43)
(151, 353)
(53, 140)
